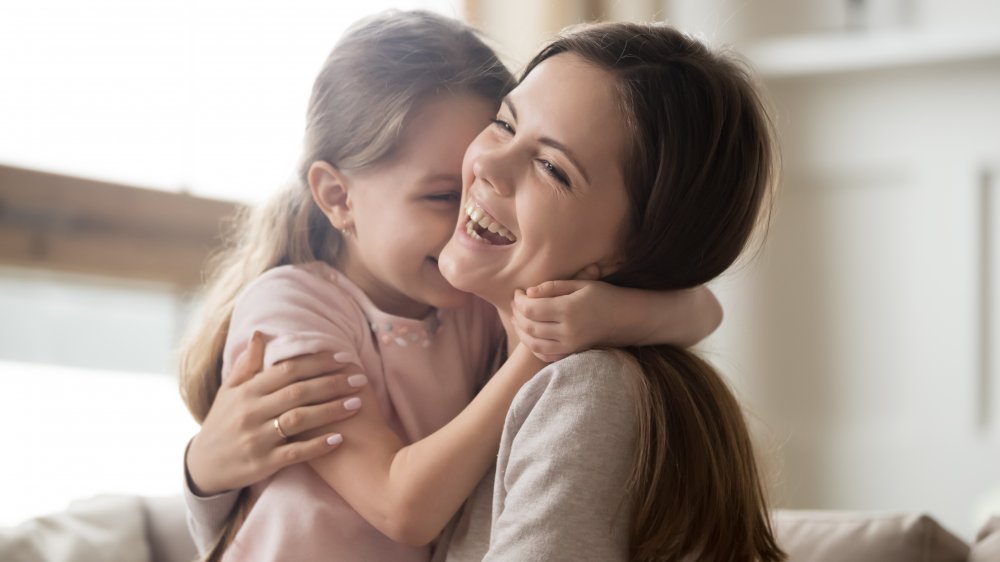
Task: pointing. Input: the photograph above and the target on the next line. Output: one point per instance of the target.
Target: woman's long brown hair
(699, 173)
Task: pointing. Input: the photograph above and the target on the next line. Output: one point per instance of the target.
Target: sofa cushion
(167, 531)
(836, 536)
(107, 528)
(987, 547)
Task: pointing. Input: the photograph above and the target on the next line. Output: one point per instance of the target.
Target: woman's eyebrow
(551, 142)
(566, 151)
(510, 105)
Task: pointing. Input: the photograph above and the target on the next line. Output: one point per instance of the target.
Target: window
(177, 95)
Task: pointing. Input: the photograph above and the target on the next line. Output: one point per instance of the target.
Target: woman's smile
(520, 224)
(482, 227)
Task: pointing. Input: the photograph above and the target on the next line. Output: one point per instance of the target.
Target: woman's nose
(489, 168)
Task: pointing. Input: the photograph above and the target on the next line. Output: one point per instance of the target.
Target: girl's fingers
(542, 347)
(540, 330)
(299, 368)
(551, 289)
(539, 310)
(250, 362)
(300, 451)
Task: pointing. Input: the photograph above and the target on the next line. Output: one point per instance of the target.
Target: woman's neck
(508, 325)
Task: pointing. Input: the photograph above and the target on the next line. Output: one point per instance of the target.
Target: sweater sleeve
(563, 463)
(206, 515)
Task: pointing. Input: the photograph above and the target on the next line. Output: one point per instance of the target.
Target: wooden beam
(64, 223)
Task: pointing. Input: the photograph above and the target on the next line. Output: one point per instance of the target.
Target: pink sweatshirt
(424, 372)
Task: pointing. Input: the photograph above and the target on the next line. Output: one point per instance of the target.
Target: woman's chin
(451, 269)
(459, 270)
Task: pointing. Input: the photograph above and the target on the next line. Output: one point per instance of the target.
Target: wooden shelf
(57, 222)
(817, 55)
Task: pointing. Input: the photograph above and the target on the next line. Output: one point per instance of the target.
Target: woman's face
(543, 189)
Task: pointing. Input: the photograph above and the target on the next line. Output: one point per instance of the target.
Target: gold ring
(277, 427)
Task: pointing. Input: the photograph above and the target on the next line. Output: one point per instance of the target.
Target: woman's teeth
(480, 223)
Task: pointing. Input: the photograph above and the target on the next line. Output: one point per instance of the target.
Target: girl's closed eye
(445, 197)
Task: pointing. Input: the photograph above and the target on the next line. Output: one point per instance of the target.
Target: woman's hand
(239, 443)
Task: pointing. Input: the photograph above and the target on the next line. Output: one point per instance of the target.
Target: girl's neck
(384, 298)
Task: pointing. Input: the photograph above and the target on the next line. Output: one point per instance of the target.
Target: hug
(462, 332)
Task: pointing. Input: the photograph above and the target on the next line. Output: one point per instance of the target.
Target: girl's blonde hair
(378, 75)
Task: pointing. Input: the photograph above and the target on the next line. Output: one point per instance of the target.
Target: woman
(635, 151)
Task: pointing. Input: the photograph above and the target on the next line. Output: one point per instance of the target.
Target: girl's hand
(558, 318)
(239, 443)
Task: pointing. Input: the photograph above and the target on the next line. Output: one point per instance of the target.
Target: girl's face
(403, 211)
(548, 171)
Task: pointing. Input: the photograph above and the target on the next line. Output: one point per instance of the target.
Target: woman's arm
(238, 445)
(557, 318)
(411, 492)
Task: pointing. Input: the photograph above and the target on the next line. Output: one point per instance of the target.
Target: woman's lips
(483, 227)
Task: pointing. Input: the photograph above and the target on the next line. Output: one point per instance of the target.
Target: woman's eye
(503, 125)
(552, 170)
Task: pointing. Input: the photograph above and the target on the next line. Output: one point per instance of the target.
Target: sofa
(114, 528)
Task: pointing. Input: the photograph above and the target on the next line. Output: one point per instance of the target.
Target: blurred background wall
(863, 336)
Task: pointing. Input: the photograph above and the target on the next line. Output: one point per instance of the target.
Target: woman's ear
(329, 187)
(590, 273)
(599, 270)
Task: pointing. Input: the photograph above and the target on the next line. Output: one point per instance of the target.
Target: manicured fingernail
(343, 357)
(352, 403)
(357, 380)
(335, 439)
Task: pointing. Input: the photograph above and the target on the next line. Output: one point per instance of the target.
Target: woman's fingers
(319, 390)
(300, 451)
(306, 418)
(301, 368)
(249, 363)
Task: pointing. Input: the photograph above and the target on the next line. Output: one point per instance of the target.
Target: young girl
(346, 261)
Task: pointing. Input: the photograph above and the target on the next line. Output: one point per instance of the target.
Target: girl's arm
(409, 493)
(558, 318)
